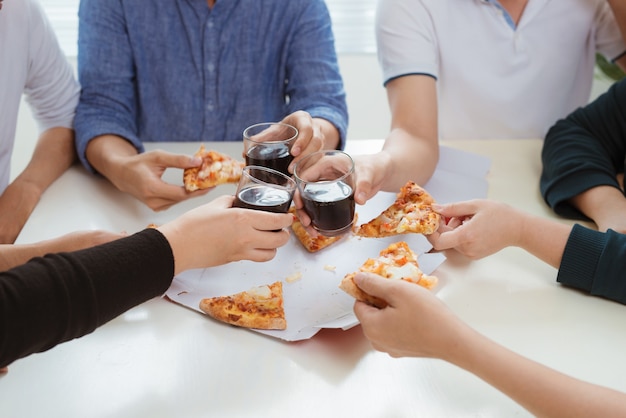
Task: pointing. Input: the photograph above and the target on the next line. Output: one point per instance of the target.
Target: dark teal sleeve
(595, 262)
(585, 150)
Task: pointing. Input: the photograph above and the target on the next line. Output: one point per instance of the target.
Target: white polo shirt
(495, 80)
(31, 63)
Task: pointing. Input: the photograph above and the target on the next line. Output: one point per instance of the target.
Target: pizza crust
(260, 308)
(311, 243)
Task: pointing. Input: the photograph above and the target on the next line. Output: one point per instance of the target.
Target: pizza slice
(396, 262)
(260, 307)
(311, 243)
(411, 212)
(216, 169)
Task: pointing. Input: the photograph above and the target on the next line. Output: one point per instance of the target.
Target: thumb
(363, 193)
(374, 285)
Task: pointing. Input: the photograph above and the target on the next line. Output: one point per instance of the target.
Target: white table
(163, 360)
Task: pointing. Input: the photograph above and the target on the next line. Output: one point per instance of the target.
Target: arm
(586, 151)
(12, 255)
(541, 390)
(478, 228)
(141, 174)
(314, 84)
(52, 93)
(411, 150)
(63, 296)
(588, 260)
(106, 117)
(54, 153)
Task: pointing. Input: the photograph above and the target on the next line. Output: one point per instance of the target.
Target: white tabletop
(161, 360)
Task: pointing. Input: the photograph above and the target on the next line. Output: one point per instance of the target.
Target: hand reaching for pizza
(371, 172)
(141, 174)
(478, 228)
(414, 324)
(216, 233)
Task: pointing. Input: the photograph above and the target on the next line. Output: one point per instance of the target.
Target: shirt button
(210, 67)
(209, 24)
(210, 107)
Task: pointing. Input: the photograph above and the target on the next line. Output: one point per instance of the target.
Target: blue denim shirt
(175, 70)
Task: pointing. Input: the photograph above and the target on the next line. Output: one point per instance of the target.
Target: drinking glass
(269, 145)
(265, 189)
(326, 186)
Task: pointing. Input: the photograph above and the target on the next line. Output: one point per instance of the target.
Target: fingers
(458, 209)
(170, 194)
(447, 239)
(304, 123)
(376, 285)
(166, 159)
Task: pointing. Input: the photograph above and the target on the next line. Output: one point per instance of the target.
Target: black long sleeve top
(59, 297)
(585, 150)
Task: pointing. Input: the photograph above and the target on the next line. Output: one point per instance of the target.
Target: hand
(477, 228)
(311, 136)
(140, 174)
(217, 233)
(371, 170)
(414, 324)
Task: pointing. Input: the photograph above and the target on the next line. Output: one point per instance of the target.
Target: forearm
(541, 237)
(105, 152)
(53, 155)
(605, 205)
(541, 390)
(411, 159)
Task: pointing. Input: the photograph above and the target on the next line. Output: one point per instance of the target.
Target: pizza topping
(259, 307)
(411, 212)
(217, 168)
(396, 262)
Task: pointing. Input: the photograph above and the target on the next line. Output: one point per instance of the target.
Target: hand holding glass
(326, 185)
(265, 189)
(269, 145)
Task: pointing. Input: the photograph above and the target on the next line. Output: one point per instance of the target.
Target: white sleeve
(405, 39)
(51, 87)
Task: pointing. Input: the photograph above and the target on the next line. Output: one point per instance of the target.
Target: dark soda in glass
(330, 206)
(265, 198)
(274, 156)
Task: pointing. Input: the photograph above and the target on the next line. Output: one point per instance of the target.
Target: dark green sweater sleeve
(595, 262)
(585, 150)
(56, 298)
